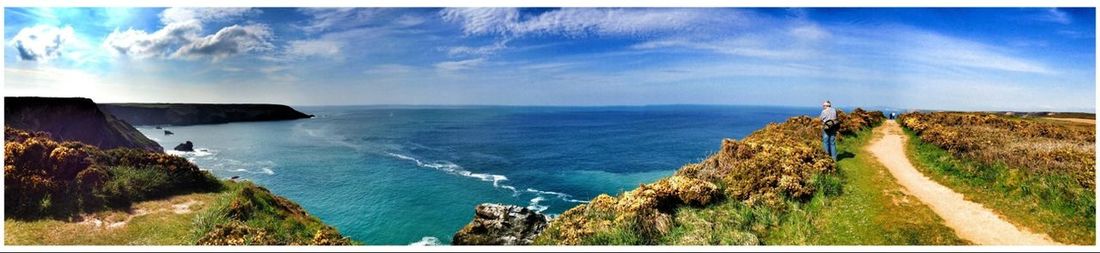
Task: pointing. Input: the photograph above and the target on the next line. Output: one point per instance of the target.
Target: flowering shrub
(44, 177)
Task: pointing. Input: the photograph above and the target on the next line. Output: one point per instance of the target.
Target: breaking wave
(426, 241)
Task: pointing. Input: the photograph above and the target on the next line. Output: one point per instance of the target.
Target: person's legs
(829, 143)
(832, 146)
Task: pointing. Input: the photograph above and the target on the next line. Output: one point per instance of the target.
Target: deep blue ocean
(413, 174)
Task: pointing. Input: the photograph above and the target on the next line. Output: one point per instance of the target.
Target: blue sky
(929, 58)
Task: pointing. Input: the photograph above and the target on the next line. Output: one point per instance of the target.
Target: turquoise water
(401, 175)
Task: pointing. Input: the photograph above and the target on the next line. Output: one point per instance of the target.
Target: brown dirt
(971, 221)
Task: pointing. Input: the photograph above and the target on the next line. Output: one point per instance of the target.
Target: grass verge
(1032, 201)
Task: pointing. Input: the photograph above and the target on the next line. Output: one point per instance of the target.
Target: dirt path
(971, 221)
(1086, 121)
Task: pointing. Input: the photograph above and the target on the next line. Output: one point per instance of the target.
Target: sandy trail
(971, 221)
(1078, 120)
(97, 222)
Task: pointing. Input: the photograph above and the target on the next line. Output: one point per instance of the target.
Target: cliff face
(194, 114)
(74, 119)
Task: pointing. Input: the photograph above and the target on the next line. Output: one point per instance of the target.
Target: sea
(401, 175)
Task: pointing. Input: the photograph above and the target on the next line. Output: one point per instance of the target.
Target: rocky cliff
(496, 224)
(74, 119)
(194, 114)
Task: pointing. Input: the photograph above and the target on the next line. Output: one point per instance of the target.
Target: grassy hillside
(62, 192)
(74, 119)
(1038, 173)
(191, 114)
(739, 196)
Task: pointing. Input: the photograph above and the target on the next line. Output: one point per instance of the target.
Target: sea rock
(186, 147)
(166, 132)
(496, 224)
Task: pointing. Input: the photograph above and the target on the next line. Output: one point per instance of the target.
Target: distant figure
(893, 115)
(832, 126)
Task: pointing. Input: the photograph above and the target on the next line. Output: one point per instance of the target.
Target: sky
(1040, 59)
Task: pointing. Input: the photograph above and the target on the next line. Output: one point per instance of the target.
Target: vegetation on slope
(1038, 173)
(43, 177)
(735, 197)
(251, 215)
(49, 182)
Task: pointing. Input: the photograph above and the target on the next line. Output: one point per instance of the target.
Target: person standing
(832, 126)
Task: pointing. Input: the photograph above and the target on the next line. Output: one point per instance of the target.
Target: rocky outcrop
(195, 114)
(496, 224)
(74, 119)
(185, 147)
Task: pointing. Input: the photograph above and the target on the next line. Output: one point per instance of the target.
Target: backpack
(831, 126)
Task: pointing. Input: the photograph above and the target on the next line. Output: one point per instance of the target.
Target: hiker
(832, 126)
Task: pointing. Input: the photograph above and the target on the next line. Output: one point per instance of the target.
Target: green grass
(861, 205)
(1043, 203)
(162, 226)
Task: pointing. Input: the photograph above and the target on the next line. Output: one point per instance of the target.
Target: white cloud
(229, 41)
(42, 42)
(181, 36)
(451, 66)
(140, 44)
(591, 21)
(318, 48)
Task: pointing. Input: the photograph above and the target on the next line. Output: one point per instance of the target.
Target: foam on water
(252, 167)
(451, 168)
(426, 241)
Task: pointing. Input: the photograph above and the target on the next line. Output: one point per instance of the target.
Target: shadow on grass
(845, 155)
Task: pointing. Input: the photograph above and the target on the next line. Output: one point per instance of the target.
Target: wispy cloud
(314, 48)
(478, 51)
(451, 66)
(389, 69)
(942, 50)
(1054, 15)
(590, 21)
